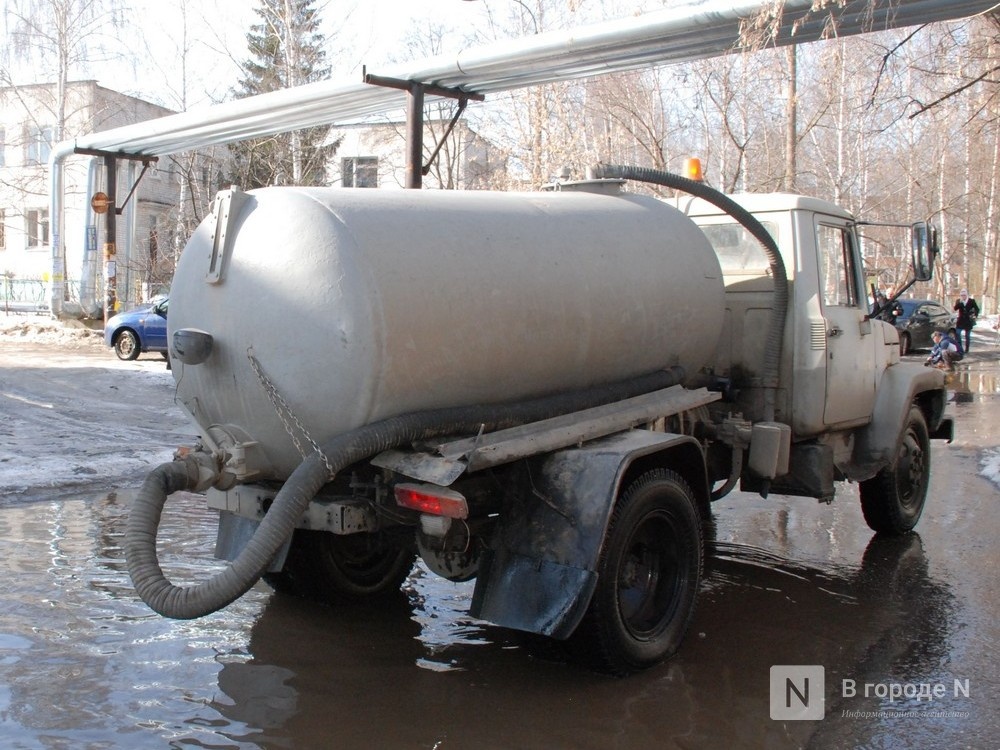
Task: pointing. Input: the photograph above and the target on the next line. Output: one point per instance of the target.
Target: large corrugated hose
(187, 602)
(776, 327)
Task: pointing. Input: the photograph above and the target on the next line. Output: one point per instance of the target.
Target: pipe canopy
(699, 29)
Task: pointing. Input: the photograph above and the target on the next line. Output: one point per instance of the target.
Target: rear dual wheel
(648, 576)
(352, 567)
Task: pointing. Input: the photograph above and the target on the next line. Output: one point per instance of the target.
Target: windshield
(739, 252)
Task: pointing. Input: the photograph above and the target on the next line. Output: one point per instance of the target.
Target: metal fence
(31, 295)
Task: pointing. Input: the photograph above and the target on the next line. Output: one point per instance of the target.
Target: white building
(169, 200)
(29, 117)
(374, 156)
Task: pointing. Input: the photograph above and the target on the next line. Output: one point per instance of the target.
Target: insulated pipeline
(187, 602)
(776, 326)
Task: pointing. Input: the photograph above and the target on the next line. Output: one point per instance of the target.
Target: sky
(359, 32)
(142, 56)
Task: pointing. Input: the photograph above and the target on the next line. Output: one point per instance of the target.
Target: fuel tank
(349, 306)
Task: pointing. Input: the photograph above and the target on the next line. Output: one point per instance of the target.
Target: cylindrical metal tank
(365, 304)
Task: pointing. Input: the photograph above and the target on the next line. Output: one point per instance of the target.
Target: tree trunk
(791, 134)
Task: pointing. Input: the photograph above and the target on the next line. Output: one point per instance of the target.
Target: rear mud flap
(538, 596)
(945, 430)
(235, 533)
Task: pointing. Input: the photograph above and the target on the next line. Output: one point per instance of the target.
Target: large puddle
(87, 665)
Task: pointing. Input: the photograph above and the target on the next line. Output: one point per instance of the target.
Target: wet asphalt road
(84, 664)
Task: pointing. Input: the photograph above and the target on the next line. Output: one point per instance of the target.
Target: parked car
(143, 329)
(918, 320)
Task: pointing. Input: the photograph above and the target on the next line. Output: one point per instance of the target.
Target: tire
(904, 344)
(648, 572)
(893, 499)
(127, 345)
(333, 568)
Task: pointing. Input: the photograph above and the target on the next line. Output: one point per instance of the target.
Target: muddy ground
(84, 664)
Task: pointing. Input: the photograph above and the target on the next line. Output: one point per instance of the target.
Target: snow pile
(989, 465)
(39, 330)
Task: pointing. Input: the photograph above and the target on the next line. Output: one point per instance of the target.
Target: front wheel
(648, 576)
(127, 345)
(893, 499)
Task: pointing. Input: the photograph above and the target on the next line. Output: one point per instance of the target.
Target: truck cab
(839, 365)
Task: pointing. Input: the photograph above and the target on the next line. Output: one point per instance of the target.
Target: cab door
(850, 343)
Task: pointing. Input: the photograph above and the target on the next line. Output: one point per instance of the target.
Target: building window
(359, 171)
(38, 145)
(3, 228)
(38, 227)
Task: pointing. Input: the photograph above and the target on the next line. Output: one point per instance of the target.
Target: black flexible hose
(187, 602)
(776, 328)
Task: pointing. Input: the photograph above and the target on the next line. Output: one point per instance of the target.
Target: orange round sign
(100, 203)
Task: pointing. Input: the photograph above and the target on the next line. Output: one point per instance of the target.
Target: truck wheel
(648, 577)
(893, 499)
(331, 567)
(127, 345)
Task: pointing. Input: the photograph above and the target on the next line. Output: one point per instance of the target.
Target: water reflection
(86, 664)
(894, 574)
(971, 380)
(339, 672)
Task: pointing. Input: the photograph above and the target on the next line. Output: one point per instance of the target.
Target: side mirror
(925, 250)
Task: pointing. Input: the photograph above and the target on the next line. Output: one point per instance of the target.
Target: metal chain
(282, 409)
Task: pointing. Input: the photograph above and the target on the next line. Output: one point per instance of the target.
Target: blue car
(141, 330)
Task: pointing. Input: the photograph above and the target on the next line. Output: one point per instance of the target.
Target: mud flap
(944, 431)
(235, 533)
(540, 574)
(526, 593)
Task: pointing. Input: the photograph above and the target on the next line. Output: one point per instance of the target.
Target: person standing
(968, 311)
(882, 310)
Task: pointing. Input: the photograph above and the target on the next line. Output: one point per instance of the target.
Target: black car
(918, 320)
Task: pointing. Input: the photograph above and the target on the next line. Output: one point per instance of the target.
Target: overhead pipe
(677, 34)
(57, 225)
(687, 32)
(91, 260)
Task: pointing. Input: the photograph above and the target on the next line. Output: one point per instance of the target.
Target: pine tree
(286, 49)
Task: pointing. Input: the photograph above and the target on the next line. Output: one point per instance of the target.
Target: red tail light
(429, 498)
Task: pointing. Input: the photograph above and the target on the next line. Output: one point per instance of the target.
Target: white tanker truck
(544, 391)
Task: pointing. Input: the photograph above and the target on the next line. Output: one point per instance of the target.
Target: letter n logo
(797, 693)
